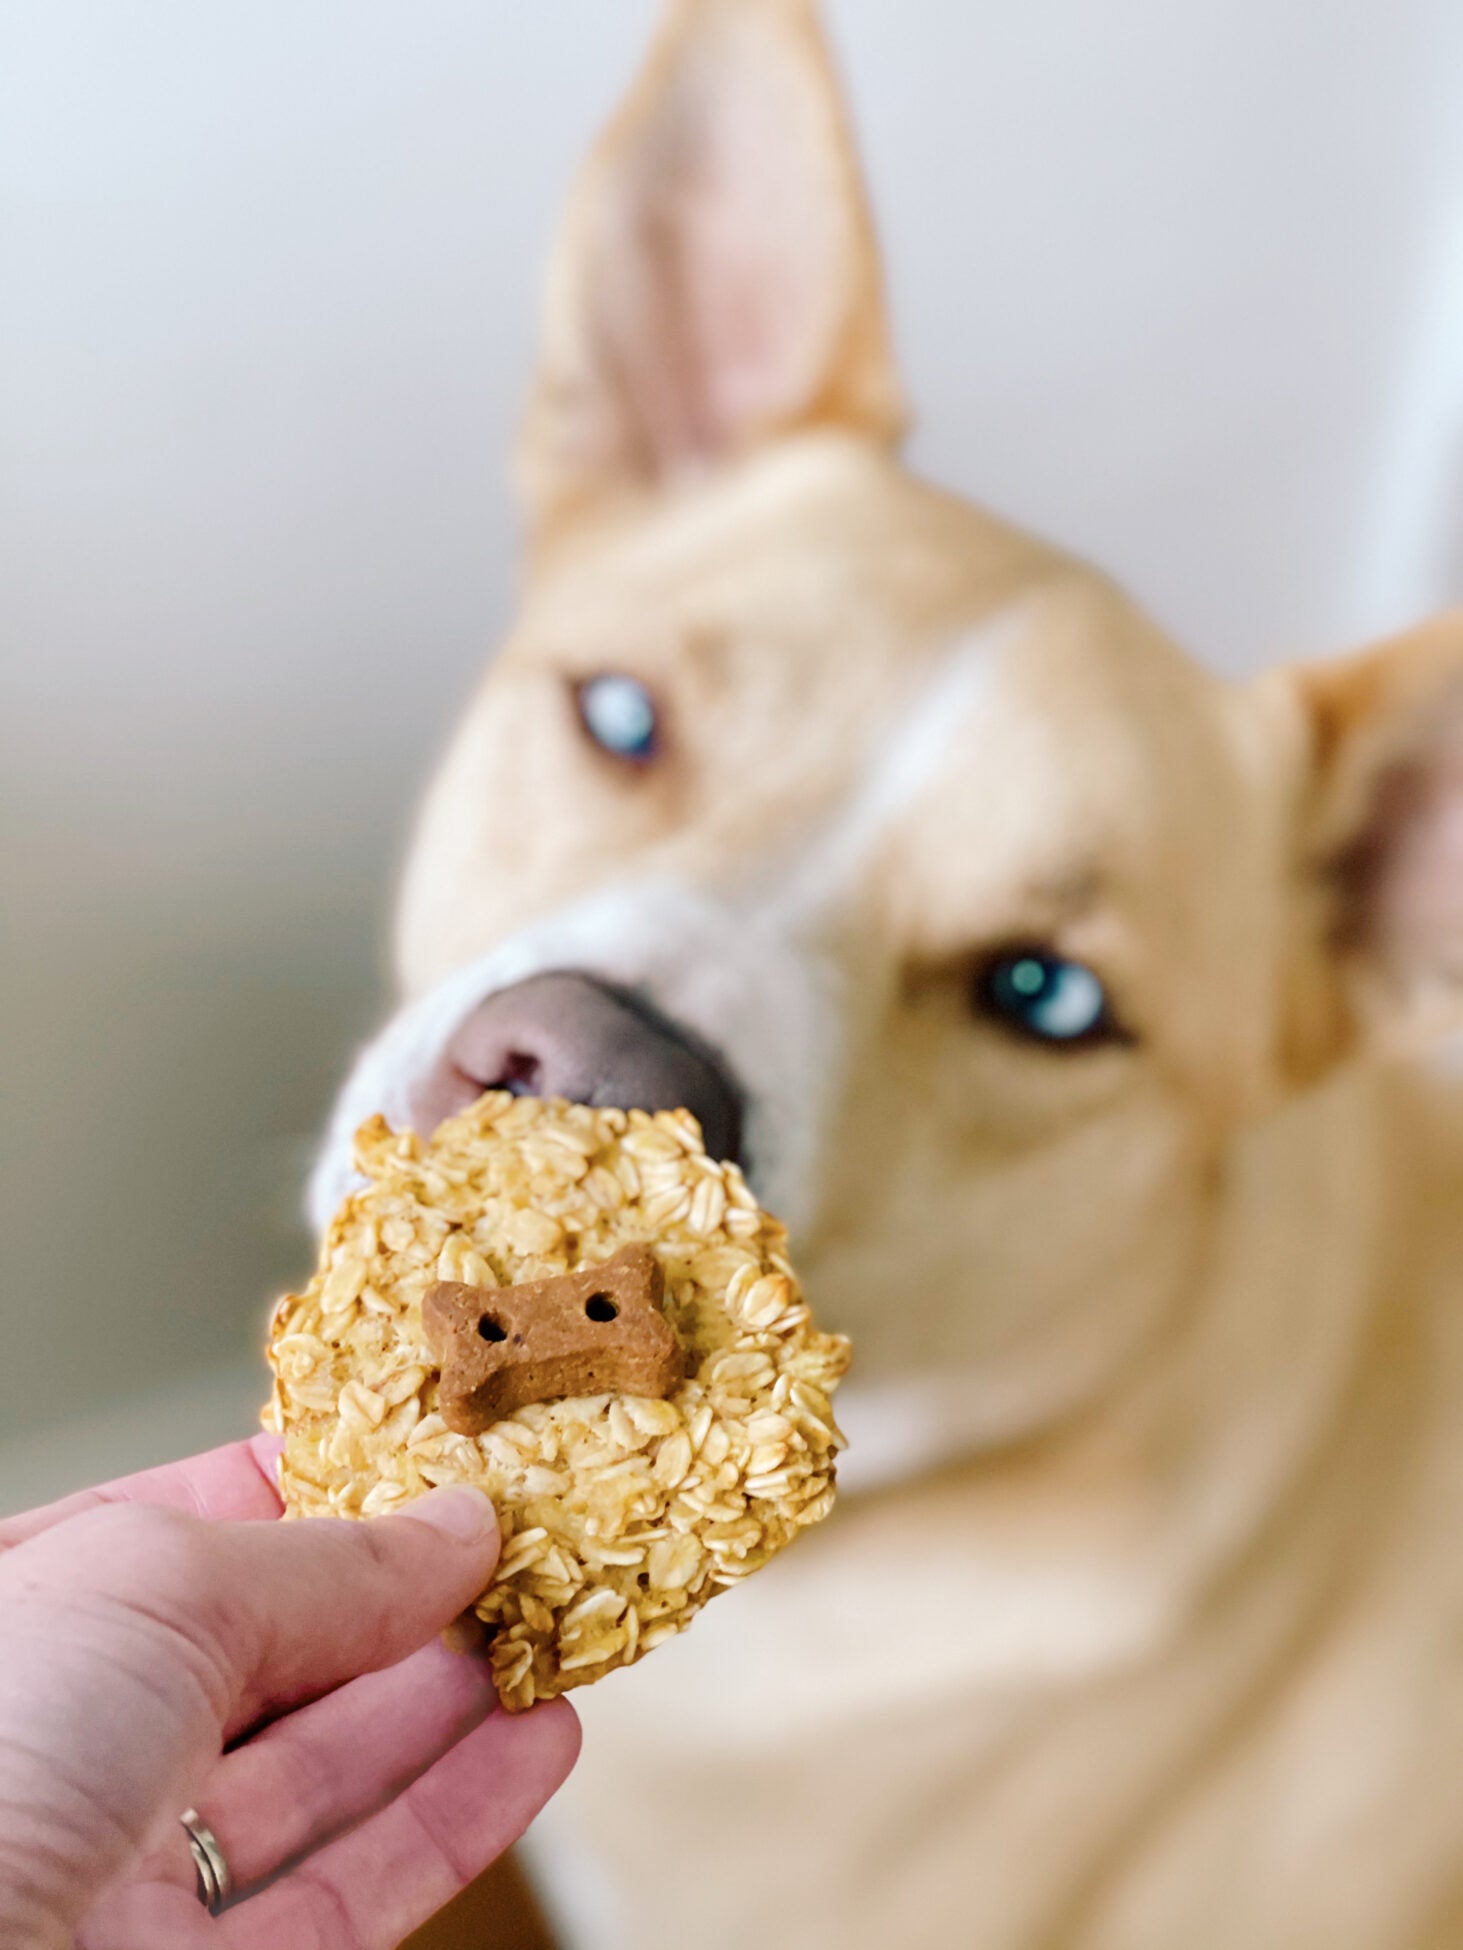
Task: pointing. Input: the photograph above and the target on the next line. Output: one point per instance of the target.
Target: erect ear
(715, 281)
(1383, 822)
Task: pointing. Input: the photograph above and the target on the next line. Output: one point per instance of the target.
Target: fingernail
(461, 1512)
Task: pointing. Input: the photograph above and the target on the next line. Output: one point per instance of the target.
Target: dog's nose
(565, 1035)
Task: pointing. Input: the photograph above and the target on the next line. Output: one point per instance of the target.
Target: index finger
(236, 1481)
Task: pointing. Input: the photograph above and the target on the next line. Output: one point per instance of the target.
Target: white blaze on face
(758, 981)
(904, 765)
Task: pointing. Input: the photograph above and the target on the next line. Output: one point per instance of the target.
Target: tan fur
(1166, 1652)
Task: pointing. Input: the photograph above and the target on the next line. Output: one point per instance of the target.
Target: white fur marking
(908, 761)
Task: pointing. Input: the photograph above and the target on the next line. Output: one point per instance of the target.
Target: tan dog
(1067, 992)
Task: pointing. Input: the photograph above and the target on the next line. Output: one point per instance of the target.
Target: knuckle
(157, 1569)
(135, 1542)
(331, 1919)
(376, 1546)
(169, 1543)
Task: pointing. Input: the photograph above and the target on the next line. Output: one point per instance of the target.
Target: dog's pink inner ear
(1402, 881)
(722, 253)
(716, 280)
(1389, 741)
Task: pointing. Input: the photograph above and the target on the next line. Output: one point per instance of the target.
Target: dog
(1088, 1019)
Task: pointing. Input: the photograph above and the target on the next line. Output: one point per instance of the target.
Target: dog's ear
(715, 281)
(1382, 833)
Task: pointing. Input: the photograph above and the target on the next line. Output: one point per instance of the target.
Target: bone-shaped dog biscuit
(597, 1331)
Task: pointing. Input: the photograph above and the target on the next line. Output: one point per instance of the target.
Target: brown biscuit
(583, 1333)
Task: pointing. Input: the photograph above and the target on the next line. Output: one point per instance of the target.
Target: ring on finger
(215, 1884)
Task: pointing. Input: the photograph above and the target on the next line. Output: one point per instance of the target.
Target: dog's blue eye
(619, 714)
(1045, 997)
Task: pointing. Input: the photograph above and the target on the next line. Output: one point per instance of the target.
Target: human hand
(165, 1643)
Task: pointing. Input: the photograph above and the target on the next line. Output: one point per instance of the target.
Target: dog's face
(998, 916)
(958, 875)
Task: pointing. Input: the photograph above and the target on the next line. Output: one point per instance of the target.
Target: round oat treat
(621, 1514)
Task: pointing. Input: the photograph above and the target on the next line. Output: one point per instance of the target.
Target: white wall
(1182, 285)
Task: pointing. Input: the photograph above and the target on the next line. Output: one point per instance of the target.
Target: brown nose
(571, 1036)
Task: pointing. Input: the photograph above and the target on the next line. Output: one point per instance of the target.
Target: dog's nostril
(599, 1306)
(521, 1075)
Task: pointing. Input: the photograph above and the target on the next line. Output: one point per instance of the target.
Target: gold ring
(215, 1884)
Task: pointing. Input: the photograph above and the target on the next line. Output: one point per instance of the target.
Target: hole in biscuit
(492, 1330)
(599, 1306)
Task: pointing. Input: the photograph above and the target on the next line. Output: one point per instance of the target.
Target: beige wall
(1177, 284)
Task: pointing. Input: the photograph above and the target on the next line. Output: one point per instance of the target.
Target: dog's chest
(877, 1743)
(1202, 1799)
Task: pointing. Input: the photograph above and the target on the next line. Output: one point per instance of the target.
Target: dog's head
(904, 851)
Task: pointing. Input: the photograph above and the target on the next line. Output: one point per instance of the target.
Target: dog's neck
(1093, 1545)
(1225, 1287)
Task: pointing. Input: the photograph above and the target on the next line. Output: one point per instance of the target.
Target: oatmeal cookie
(621, 1515)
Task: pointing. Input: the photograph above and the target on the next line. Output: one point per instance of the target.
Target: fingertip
(266, 1449)
(333, 1598)
(266, 1452)
(530, 1755)
(458, 1511)
(570, 1729)
(560, 1735)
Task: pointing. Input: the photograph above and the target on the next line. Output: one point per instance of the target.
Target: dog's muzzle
(652, 996)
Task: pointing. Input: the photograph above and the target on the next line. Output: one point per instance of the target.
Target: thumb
(319, 1601)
